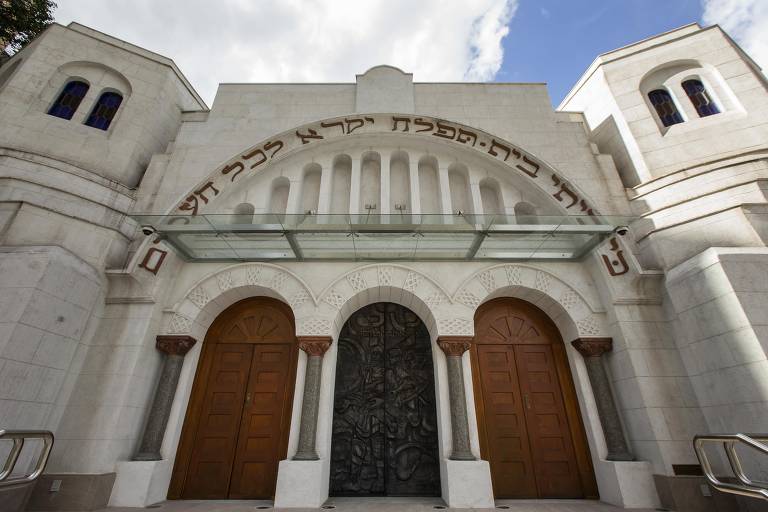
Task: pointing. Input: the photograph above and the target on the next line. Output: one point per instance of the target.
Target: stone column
(175, 348)
(315, 347)
(593, 349)
(454, 347)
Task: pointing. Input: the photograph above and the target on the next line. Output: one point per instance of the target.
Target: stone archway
(528, 415)
(238, 418)
(385, 431)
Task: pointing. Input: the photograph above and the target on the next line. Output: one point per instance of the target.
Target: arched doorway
(237, 423)
(528, 415)
(384, 416)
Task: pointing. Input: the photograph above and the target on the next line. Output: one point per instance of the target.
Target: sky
(551, 41)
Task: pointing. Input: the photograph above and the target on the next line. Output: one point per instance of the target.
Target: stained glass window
(69, 99)
(665, 107)
(699, 96)
(104, 111)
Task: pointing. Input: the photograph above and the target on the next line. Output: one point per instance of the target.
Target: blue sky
(554, 41)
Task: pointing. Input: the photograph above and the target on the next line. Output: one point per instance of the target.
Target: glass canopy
(361, 237)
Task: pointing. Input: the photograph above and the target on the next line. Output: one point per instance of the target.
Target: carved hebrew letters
(277, 144)
(311, 135)
(191, 203)
(442, 131)
(262, 158)
(495, 144)
(527, 171)
(153, 260)
(340, 124)
(231, 167)
(421, 122)
(406, 123)
(617, 266)
(563, 188)
(465, 135)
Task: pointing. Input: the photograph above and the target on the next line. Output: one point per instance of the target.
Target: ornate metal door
(384, 419)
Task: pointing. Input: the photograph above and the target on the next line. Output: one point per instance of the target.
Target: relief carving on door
(384, 418)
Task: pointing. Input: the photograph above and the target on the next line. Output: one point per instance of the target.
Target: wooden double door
(237, 423)
(530, 427)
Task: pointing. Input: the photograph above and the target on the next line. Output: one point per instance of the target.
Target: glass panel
(699, 96)
(102, 114)
(69, 100)
(665, 107)
(329, 246)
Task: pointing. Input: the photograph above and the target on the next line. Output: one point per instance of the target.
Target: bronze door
(384, 418)
(530, 430)
(238, 417)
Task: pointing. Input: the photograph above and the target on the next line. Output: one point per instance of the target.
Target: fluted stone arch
(212, 294)
(576, 312)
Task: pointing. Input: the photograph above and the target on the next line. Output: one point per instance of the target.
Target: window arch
(665, 107)
(700, 98)
(104, 111)
(69, 99)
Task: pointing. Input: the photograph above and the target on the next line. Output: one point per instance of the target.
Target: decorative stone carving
(357, 281)
(514, 275)
(253, 274)
(412, 281)
(315, 326)
(569, 299)
(174, 344)
(334, 299)
(384, 274)
(199, 297)
(436, 299)
(314, 345)
(593, 347)
(225, 281)
(179, 324)
(468, 299)
(298, 299)
(487, 280)
(454, 345)
(588, 326)
(278, 281)
(542, 281)
(455, 326)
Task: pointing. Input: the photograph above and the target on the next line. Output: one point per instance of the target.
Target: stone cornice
(314, 345)
(175, 344)
(593, 347)
(454, 345)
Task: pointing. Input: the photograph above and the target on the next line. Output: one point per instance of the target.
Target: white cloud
(307, 40)
(745, 20)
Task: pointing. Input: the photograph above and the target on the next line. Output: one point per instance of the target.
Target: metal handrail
(18, 437)
(747, 486)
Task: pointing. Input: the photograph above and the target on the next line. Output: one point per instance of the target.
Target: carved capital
(593, 347)
(175, 344)
(314, 345)
(454, 345)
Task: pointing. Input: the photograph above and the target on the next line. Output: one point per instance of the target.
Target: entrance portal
(238, 418)
(528, 418)
(384, 418)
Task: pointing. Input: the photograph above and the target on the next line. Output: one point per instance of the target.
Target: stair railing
(18, 437)
(745, 486)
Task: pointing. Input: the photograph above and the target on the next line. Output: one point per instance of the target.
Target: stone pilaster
(175, 348)
(454, 347)
(592, 349)
(315, 347)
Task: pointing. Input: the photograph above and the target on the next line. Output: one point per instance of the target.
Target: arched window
(665, 107)
(69, 99)
(102, 114)
(700, 98)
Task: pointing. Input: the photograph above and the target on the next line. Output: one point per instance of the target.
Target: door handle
(527, 400)
(248, 398)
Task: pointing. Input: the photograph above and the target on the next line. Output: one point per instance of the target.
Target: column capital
(174, 344)
(314, 345)
(593, 347)
(454, 345)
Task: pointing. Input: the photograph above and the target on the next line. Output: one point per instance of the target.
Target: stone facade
(84, 295)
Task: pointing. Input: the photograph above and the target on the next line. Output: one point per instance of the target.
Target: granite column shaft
(315, 347)
(454, 347)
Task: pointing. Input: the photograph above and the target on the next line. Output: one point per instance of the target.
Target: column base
(141, 483)
(620, 457)
(626, 484)
(144, 457)
(305, 456)
(301, 484)
(462, 456)
(468, 484)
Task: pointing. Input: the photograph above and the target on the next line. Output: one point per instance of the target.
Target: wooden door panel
(511, 464)
(255, 469)
(557, 473)
(213, 451)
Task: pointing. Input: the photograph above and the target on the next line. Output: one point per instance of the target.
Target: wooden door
(530, 428)
(238, 418)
